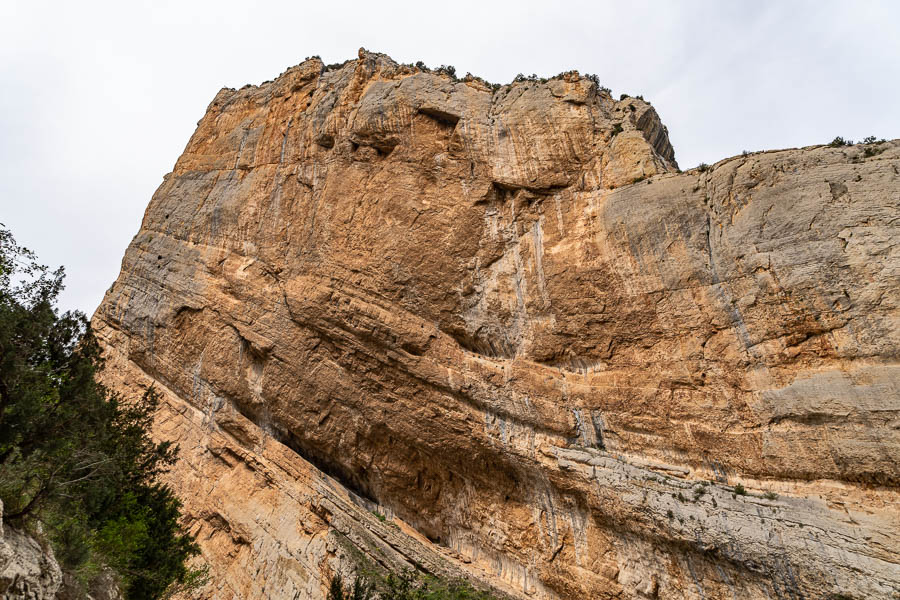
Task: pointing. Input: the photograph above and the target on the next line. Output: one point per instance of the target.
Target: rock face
(27, 570)
(408, 320)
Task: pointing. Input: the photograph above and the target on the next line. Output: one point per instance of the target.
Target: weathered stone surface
(27, 570)
(503, 317)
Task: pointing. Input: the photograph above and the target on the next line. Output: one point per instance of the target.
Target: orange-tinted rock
(502, 317)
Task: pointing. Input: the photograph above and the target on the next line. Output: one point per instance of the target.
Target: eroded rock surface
(505, 323)
(28, 571)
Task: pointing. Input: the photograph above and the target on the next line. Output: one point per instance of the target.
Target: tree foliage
(73, 456)
(407, 585)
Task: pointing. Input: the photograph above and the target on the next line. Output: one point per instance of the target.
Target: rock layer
(502, 321)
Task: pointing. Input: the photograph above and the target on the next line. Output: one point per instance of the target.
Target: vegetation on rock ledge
(408, 585)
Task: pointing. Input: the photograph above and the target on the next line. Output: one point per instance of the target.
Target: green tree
(361, 589)
(73, 455)
(405, 585)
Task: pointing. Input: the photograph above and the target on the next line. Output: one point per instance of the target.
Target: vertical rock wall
(405, 319)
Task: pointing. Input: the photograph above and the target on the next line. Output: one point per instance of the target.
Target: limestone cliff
(494, 333)
(27, 569)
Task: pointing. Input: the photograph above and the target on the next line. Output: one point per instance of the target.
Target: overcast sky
(98, 99)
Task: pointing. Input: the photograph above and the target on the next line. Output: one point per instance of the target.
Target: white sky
(98, 99)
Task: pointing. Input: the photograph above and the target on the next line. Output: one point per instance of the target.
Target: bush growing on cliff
(361, 589)
(593, 78)
(408, 585)
(448, 70)
(74, 457)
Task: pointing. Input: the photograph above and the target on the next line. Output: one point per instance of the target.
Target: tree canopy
(74, 456)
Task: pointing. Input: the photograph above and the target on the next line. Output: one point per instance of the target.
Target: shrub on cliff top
(74, 457)
(448, 70)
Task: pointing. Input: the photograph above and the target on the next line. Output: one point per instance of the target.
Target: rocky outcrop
(28, 571)
(404, 319)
